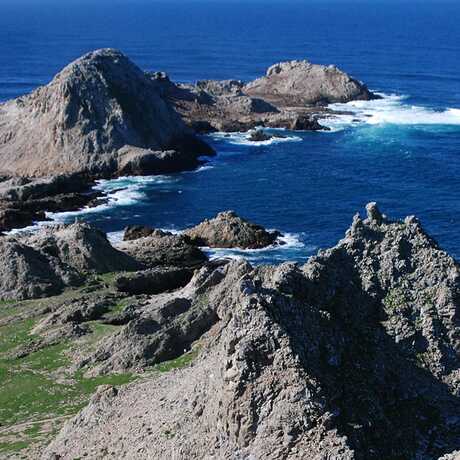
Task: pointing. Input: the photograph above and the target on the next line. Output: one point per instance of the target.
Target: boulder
(164, 249)
(227, 230)
(26, 272)
(302, 83)
(97, 105)
(134, 232)
(258, 135)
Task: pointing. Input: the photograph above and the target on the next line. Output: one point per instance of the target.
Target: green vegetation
(396, 301)
(178, 363)
(40, 387)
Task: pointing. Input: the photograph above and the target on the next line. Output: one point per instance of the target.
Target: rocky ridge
(354, 355)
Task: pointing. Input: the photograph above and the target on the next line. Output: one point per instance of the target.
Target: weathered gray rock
(97, 105)
(164, 249)
(227, 230)
(45, 263)
(134, 232)
(27, 273)
(302, 83)
(82, 247)
(353, 356)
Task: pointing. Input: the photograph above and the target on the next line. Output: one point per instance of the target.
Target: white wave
(391, 109)
(290, 247)
(243, 139)
(123, 191)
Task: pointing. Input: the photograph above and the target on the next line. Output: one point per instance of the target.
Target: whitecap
(290, 246)
(123, 191)
(391, 109)
(241, 138)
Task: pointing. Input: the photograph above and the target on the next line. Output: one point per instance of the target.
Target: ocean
(402, 151)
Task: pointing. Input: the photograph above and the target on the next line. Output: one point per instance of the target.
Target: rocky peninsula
(353, 355)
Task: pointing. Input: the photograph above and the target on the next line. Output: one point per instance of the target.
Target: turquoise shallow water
(404, 151)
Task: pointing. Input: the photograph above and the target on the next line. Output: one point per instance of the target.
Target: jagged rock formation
(97, 105)
(289, 96)
(304, 83)
(227, 230)
(44, 263)
(354, 355)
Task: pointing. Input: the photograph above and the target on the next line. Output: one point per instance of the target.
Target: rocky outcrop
(81, 247)
(227, 230)
(96, 106)
(23, 201)
(303, 83)
(291, 96)
(354, 355)
(27, 273)
(164, 249)
(45, 263)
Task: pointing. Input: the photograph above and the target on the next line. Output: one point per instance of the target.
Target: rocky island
(148, 349)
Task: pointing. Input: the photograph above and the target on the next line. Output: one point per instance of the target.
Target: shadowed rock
(45, 263)
(164, 249)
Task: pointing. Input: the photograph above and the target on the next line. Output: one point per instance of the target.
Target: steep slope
(355, 355)
(78, 122)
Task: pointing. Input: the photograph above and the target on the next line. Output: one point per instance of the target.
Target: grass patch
(178, 363)
(15, 334)
(40, 386)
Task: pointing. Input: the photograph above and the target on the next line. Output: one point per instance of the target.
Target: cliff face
(77, 123)
(354, 355)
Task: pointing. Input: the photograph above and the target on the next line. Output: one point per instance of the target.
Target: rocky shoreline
(103, 117)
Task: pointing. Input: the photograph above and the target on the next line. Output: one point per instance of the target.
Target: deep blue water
(406, 156)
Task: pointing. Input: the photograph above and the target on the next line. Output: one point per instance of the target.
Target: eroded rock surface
(227, 230)
(164, 249)
(94, 107)
(291, 96)
(354, 355)
(45, 263)
(303, 83)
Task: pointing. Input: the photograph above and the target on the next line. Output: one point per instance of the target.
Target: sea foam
(391, 109)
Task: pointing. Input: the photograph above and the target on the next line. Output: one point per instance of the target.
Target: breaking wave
(391, 109)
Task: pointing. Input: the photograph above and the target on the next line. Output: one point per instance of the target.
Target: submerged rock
(227, 230)
(354, 355)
